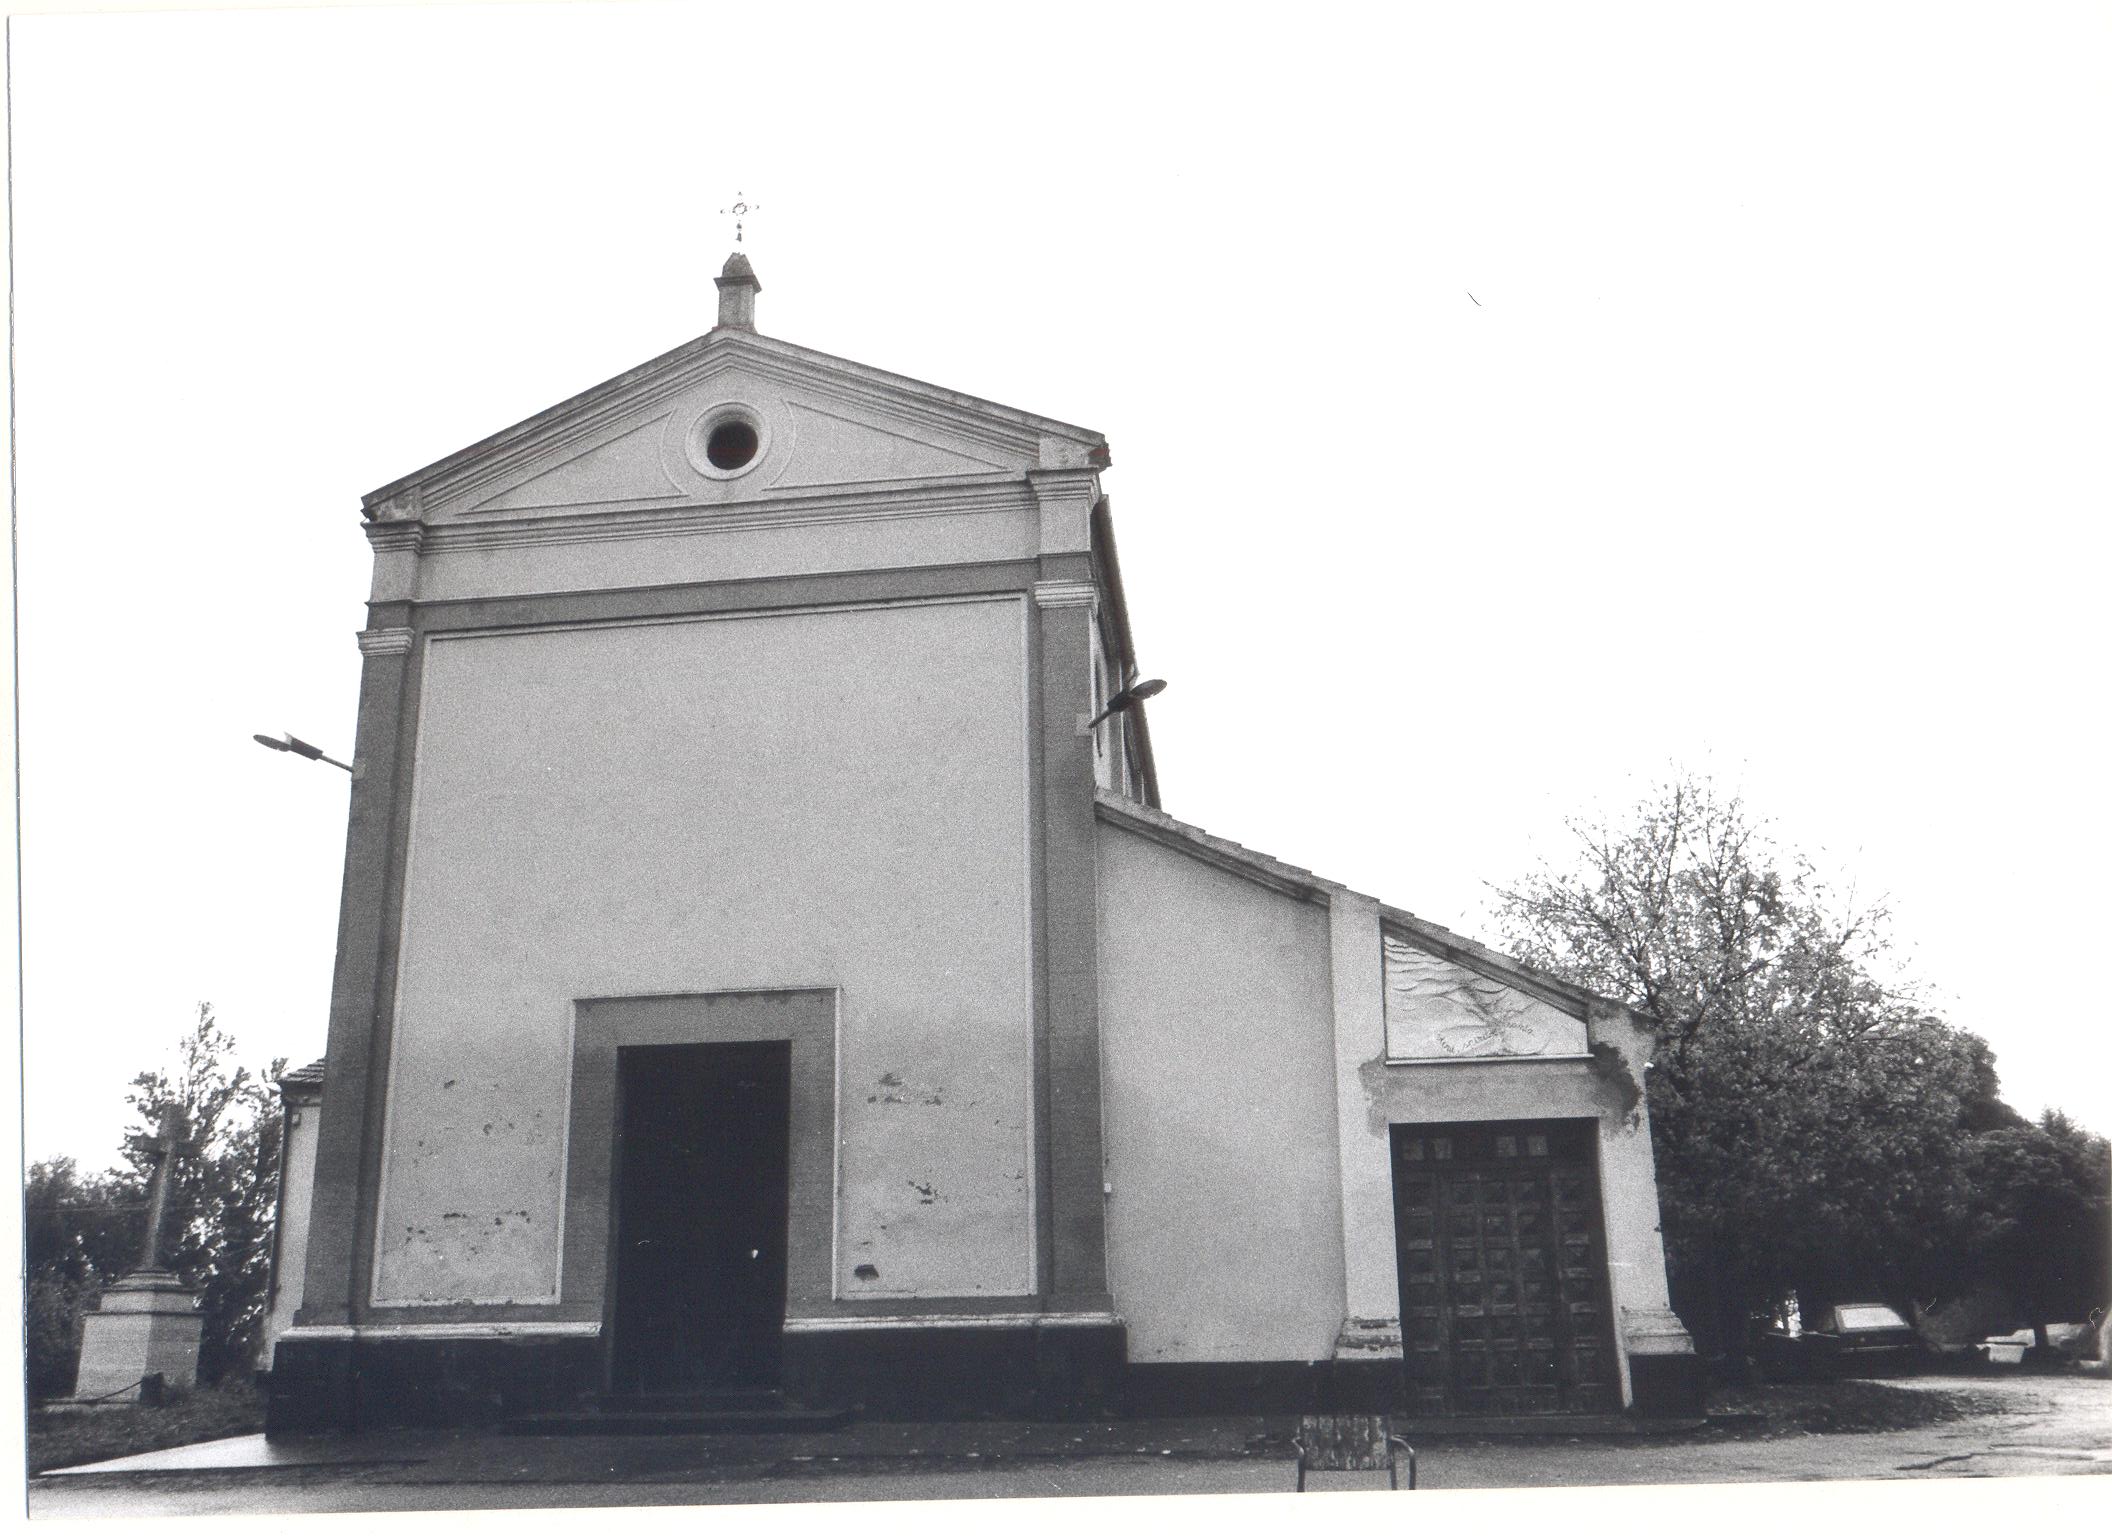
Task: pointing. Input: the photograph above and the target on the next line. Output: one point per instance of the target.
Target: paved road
(2036, 1427)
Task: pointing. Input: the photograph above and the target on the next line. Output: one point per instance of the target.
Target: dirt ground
(2036, 1427)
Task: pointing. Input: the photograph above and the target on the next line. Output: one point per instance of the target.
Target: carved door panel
(1503, 1269)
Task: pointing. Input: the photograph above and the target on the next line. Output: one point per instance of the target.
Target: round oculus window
(731, 444)
(727, 441)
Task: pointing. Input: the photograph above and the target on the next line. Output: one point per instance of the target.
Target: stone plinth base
(1060, 1367)
(335, 1379)
(148, 1324)
(1662, 1367)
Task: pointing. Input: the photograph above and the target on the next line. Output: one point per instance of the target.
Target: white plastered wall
(290, 1244)
(1223, 1223)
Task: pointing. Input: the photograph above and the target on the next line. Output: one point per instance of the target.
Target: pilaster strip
(1370, 1282)
(348, 1139)
(1069, 1045)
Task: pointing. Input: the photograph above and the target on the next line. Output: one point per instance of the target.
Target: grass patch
(60, 1437)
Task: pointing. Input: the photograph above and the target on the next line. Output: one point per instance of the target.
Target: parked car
(1856, 1338)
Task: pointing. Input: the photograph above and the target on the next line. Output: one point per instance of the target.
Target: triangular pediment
(1438, 1009)
(622, 468)
(817, 424)
(832, 447)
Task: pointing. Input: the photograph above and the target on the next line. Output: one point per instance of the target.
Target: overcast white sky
(1506, 403)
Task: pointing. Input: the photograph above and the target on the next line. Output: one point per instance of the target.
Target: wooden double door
(1502, 1252)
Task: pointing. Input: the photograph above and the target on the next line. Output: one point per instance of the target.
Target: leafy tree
(1815, 1127)
(2034, 1218)
(225, 1187)
(82, 1233)
(78, 1233)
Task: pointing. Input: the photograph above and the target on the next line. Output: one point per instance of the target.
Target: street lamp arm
(1129, 698)
(292, 743)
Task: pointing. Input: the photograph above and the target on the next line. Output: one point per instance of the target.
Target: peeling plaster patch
(1609, 1066)
(1377, 1344)
(1373, 1075)
(907, 1094)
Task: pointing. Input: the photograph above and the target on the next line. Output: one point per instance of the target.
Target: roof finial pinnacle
(737, 282)
(738, 286)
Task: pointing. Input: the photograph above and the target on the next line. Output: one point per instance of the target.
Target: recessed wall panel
(818, 799)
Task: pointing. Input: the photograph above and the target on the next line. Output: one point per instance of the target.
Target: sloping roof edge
(1235, 858)
(310, 1076)
(1109, 560)
(1491, 963)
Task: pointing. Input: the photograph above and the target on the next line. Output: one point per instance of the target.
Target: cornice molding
(1065, 594)
(385, 642)
(861, 504)
(396, 536)
(400, 503)
(1065, 485)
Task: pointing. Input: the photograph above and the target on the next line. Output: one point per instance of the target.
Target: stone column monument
(148, 1322)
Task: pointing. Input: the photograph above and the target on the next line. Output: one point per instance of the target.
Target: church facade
(765, 966)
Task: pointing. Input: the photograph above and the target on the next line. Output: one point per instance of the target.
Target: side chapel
(760, 972)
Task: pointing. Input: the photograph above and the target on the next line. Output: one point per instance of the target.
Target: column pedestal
(148, 1324)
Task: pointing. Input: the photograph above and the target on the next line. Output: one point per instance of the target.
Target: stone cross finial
(739, 212)
(158, 1191)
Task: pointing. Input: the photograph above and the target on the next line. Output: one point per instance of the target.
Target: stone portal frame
(807, 1020)
(1373, 1093)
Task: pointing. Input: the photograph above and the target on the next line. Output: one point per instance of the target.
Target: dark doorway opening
(700, 1227)
(1502, 1250)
